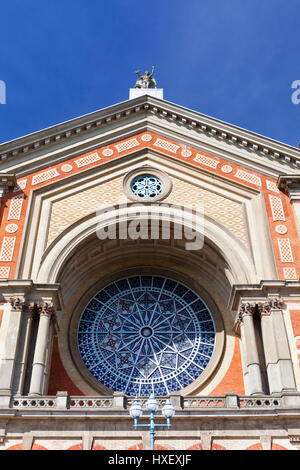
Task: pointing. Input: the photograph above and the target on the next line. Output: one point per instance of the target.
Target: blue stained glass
(145, 334)
(146, 186)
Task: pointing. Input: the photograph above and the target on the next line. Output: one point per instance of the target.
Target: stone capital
(42, 309)
(18, 304)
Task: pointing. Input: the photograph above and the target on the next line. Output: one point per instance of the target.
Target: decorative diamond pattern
(73, 208)
(290, 273)
(67, 211)
(45, 176)
(164, 144)
(211, 162)
(276, 208)
(93, 157)
(4, 272)
(272, 186)
(140, 334)
(15, 207)
(224, 210)
(285, 250)
(7, 248)
(249, 177)
(128, 144)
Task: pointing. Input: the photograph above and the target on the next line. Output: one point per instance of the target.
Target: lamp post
(136, 412)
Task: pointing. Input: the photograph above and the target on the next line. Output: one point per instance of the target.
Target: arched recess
(82, 264)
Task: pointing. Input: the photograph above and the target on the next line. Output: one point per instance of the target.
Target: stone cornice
(7, 180)
(147, 106)
(290, 184)
(15, 290)
(265, 291)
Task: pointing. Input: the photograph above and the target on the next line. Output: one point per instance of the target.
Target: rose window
(146, 187)
(146, 334)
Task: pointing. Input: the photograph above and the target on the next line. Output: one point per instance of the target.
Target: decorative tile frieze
(285, 250)
(7, 248)
(4, 272)
(290, 273)
(92, 158)
(276, 208)
(249, 177)
(128, 144)
(44, 176)
(15, 207)
(272, 186)
(207, 161)
(164, 144)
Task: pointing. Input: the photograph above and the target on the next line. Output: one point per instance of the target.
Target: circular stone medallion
(281, 229)
(107, 152)
(66, 168)
(226, 169)
(146, 137)
(11, 228)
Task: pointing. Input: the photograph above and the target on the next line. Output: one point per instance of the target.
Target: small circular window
(146, 186)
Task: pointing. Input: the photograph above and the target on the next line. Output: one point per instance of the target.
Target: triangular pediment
(118, 122)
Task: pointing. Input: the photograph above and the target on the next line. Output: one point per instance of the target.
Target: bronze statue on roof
(146, 80)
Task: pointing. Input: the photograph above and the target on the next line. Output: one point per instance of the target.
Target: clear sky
(234, 60)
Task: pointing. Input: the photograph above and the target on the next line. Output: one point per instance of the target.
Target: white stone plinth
(156, 92)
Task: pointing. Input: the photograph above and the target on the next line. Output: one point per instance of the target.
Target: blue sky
(234, 60)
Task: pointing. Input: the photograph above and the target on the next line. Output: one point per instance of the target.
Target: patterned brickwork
(7, 248)
(250, 177)
(73, 208)
(92, 158)
(44, 176)
(4, 272)
(272, 186)
(285, 250)
(223, 210)
(67, 211)
(277, 209)
(15, 207)
(211, 162)
(166, 145)
(128, 144)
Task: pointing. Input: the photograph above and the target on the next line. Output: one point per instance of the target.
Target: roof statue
(146, 80)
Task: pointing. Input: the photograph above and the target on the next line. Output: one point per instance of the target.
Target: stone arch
(238, 259)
